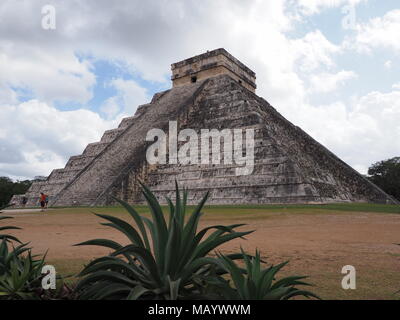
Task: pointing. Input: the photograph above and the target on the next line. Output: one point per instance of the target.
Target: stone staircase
(60, 178)
(126, 150)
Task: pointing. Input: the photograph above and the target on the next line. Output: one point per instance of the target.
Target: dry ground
(317, 242)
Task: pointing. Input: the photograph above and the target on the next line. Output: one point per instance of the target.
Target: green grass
(252, 209)
(356, 207)
(289, 208)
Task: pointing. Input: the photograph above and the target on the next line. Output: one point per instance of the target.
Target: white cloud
(131, 94)
(388, 64)
(396, 86)
(314, 51)
(110, 107)
(327, 82)
(37, 138)
(7, 95)
(366, 131)
(380, 32)
(310, 7)
(49, 75)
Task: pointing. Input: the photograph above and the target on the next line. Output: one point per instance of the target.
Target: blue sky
(60, 89)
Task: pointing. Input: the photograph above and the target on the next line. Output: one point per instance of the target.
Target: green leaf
(174, 288)
(125, 228)
(138, 219)
(137, 292)
(101, 242)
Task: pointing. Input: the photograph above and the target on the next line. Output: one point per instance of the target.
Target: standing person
(42, 200)
(24, 201)
(46, 201)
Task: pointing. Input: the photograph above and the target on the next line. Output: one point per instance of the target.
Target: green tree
(386, 175)
(8, 188)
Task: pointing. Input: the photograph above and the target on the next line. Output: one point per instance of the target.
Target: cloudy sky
(330, 66)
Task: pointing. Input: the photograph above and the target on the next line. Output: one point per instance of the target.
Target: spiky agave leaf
(256, 283)
(21, 276)
(166, 255)
(20, 271)
(7, 237)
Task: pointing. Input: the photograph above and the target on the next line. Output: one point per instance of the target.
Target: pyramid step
(62, 175)
(78, 162)
(157, 96)
(110, 135)
(126, 122)
(141, 109)
(94, 148)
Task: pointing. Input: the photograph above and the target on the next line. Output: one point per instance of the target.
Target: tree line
(8, 188)
(386, 175)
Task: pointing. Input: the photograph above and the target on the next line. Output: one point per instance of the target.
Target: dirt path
(13, 212)
(318, 245)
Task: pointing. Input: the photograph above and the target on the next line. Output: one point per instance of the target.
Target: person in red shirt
(42, 200)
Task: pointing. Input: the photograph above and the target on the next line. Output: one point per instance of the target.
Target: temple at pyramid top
(211, 64)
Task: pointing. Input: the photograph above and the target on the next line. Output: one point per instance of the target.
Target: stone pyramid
(215, 91)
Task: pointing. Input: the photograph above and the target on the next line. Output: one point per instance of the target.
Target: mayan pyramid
(212, 90)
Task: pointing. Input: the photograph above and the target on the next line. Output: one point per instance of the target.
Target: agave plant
(20, 275)
(63, 291)
(5, 228)
(167, 258)
(255, 283)
(20, 271)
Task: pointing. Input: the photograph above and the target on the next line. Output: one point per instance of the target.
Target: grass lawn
(244, 209)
